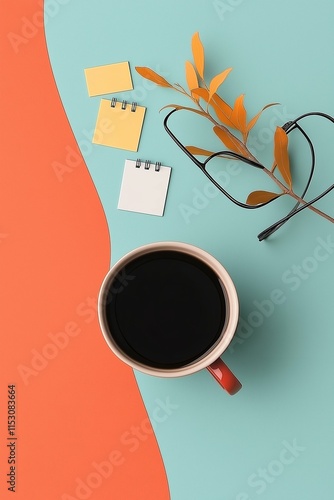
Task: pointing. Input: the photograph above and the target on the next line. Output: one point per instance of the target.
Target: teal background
(214, 446)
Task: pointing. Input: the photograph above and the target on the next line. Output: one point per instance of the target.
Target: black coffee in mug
(165, 309)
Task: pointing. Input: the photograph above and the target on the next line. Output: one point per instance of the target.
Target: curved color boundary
(81, 427)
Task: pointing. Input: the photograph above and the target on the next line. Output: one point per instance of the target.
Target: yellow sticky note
(108, 79)
(119, 124)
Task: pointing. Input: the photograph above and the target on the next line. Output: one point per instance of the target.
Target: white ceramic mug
(210, 359)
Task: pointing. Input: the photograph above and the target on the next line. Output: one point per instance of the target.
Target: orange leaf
(223, 110)
(149, 74)
(281, 154)
(258, 197)
(199, 151)
(217, 81)
(239, 114)
(191, 76)
(201, 93)
(257, 116)
(230, 141)
(198, 54)
(222, 104)
(177, 106)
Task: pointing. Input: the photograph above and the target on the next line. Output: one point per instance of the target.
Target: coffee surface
(165, 309)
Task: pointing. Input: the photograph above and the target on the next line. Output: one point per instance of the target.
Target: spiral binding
(147, 164)
(124, 104)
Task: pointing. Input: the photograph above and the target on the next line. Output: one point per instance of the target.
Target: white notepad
(144, 187)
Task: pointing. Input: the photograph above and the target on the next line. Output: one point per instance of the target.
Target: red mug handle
(224, 376)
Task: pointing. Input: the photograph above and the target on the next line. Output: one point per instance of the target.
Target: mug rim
(230, 294)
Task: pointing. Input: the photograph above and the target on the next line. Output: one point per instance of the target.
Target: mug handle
(224, 376)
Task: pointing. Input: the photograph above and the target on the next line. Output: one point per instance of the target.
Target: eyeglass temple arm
(289, 126)
(277, 224)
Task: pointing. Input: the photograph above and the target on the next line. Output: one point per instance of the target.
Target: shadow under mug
(157, 304)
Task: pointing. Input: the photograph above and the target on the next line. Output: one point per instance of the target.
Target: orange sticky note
(108, 79)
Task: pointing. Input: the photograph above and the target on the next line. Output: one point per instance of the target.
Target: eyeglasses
(224, 169)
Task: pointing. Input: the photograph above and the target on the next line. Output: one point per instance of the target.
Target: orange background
(78, 409)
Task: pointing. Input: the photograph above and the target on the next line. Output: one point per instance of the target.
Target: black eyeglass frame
(288, 127)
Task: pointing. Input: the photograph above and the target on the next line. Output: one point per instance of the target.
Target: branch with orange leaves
(229, 122)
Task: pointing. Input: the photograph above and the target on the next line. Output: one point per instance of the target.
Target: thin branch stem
(291, 193)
